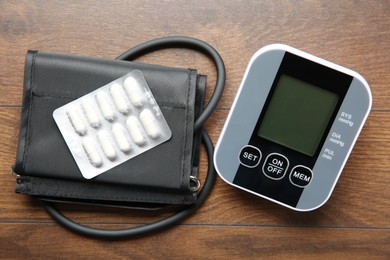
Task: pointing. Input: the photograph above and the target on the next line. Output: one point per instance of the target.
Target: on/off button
(250, 156)
(275, 166)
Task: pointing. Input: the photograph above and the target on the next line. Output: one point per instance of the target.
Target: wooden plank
(198, 242)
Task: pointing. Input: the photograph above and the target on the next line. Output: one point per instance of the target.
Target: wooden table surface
(354, 223)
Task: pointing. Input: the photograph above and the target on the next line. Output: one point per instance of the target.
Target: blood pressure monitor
(292, 126)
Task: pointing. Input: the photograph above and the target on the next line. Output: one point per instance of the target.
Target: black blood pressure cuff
(44, 165)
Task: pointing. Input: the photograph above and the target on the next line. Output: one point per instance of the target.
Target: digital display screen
(297, 115)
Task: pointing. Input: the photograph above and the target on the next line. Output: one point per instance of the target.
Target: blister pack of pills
(112, 124)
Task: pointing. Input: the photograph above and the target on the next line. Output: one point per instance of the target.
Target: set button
(275, 166)
(250, 156)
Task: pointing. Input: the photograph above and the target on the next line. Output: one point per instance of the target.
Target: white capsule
(105, 107)
(150, 123)
(92, 153)
(119, 99)
(120, 138)
(76, 121)
(134, 91)
(106, 145)
(90, 113)
(134, 128)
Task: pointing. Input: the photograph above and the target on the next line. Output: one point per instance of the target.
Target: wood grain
(355, 223)
(200, 242)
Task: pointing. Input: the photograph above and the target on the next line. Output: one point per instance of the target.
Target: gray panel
(245, 112)
(337, 147)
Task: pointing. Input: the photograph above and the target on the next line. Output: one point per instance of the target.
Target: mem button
(301, 176)
(250, 156)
